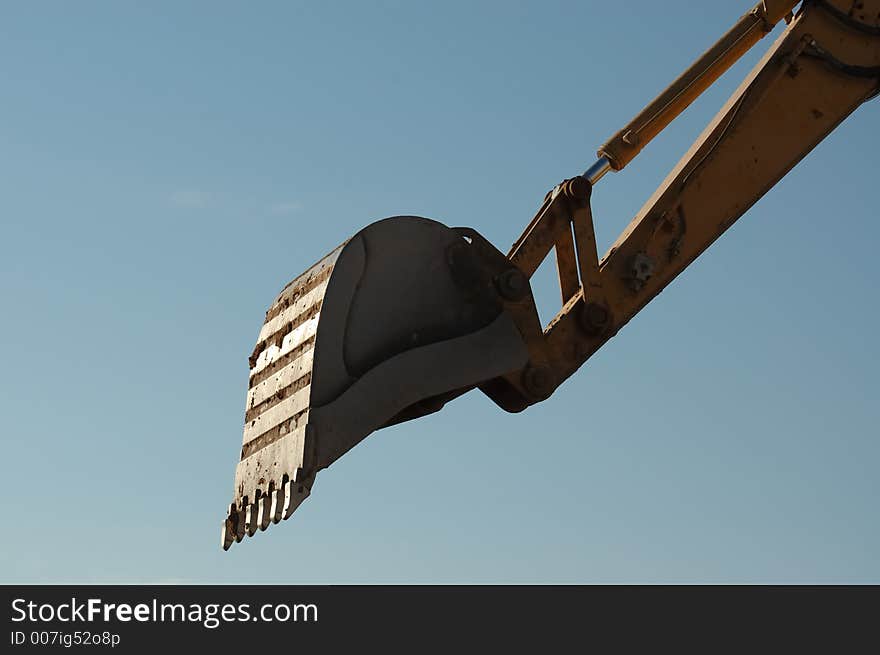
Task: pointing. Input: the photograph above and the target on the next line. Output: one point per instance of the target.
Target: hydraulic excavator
(409, 313)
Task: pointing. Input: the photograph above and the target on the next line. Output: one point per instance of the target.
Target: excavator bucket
(389, 326)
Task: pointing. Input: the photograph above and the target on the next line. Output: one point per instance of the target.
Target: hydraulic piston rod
(748, 30)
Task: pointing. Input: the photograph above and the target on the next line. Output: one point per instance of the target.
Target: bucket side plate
(269, 483)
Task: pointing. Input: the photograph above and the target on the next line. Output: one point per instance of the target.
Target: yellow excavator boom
(409, 313)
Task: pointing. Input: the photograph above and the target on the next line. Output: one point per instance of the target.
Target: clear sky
(167, 167)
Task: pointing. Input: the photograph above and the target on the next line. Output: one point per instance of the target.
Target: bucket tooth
(227, 533)
(265, 515)
(278, 503)
(251, 514)
(297, 493)
(239, 524)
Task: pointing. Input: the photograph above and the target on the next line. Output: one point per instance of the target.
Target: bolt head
(537, 381)
(594, 318)
(512, 284)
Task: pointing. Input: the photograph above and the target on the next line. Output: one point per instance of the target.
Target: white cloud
(191, 198)
(289, 207)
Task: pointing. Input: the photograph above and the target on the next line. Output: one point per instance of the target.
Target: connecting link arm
(820, 70)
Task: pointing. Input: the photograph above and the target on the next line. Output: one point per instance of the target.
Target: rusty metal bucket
(389, 326)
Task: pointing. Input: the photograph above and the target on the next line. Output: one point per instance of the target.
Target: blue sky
(167, 168)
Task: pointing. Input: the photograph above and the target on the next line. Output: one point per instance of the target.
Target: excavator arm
(409, 313)
(819, 70)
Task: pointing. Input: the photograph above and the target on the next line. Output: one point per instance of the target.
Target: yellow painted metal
(748, 30)
(819, 70)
